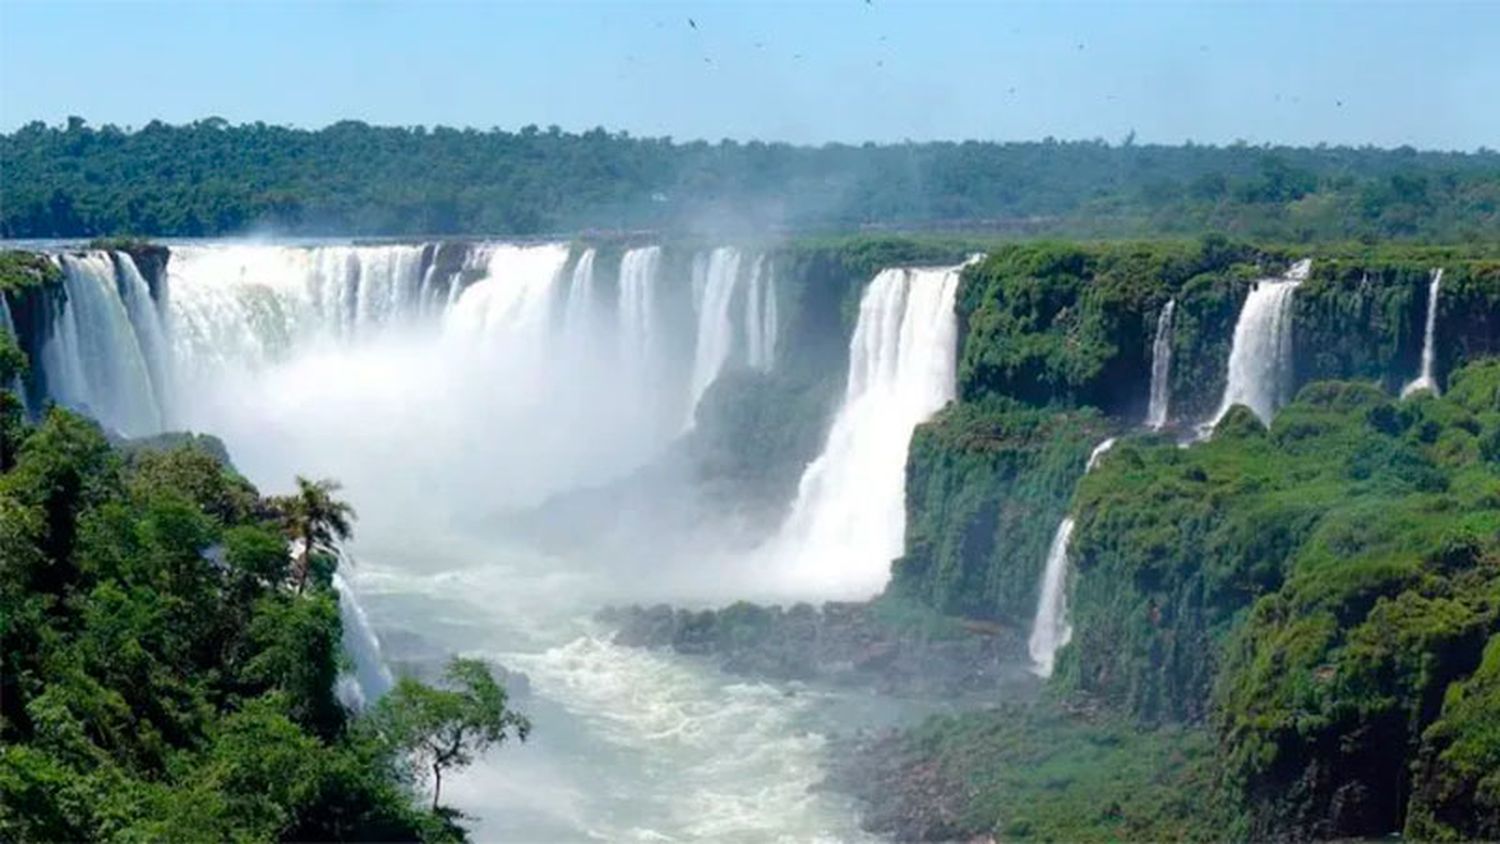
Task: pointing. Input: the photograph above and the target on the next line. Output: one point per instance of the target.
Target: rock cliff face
(1317, 593)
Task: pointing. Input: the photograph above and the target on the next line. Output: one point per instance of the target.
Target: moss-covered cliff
(1318, 594)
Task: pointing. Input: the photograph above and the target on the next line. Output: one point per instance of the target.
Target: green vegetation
(986, 485)
(1312, 607)
(213, 178)
(1036, 773)
(21, 271)
(440, 730)
(167, 673)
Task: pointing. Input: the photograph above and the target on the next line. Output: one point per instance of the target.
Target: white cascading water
(513, 302)
(1426, 380)
(1159, 406)
(1260, 359)
(250, 305)
(761, 316)
(578, 313)
(371, 678)
(1050, 629)
(96, 358)
(849, 519)
(637, 310)
(715, 328)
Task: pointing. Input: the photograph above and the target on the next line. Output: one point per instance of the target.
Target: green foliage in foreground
(1315, 591)
(161, 676)
(439, 730)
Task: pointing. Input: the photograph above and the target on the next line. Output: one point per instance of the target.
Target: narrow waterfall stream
(1425, 380)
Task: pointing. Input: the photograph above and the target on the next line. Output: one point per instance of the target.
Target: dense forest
(169, 671)
(214, 178)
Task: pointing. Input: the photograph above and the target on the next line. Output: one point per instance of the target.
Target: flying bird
(692, 23)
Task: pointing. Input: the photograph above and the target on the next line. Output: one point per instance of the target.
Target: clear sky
(1387, 73)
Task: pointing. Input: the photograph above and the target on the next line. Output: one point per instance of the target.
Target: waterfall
(715, 329)
(513, 302)
(249, 305)
(578, 313)
(1098, 454)
(145, 317)
(637, 309)
(1050, 629)
(1426, 380)
(1260, 358)
(95, 359)
(761, 316)
(848, 521)
(1161, 370)
(371, 678)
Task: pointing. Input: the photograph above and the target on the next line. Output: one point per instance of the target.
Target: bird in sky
(692, 23)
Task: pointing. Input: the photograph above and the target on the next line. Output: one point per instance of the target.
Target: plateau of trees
(211, 177)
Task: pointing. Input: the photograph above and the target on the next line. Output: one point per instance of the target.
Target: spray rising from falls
(1260, 360)
(1159, 407)
(1426, 380)
(848, 521)
(1050, 629)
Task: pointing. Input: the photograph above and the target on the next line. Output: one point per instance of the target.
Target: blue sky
(1387, 73)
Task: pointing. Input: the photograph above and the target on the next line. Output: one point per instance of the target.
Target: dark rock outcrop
(846, 644)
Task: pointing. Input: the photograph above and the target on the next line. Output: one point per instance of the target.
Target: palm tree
(314, 521)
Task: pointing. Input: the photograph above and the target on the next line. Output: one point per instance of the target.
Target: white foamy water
(849, 519)
(629, 744)
(1425, 380)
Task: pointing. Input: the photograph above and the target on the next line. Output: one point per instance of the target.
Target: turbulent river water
(443, 387)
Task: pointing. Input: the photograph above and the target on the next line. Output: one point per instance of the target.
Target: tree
(440, 729)
(315, 522)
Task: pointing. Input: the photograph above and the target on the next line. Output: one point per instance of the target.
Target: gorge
(910, 425)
